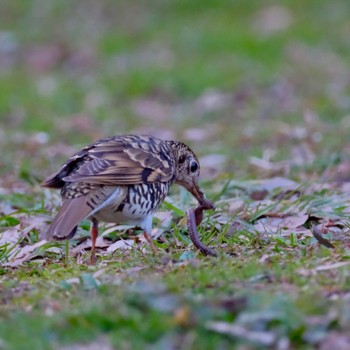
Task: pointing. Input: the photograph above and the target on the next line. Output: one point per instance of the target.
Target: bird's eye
(194, 166)
(182, 159)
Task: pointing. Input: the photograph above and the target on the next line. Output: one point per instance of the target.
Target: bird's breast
(140, 201)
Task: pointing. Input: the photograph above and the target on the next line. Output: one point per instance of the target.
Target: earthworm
(194, 218)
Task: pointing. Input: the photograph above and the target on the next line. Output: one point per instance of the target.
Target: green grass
(160, 303)
(229, 80)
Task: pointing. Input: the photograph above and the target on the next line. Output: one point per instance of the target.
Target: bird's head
(187, 169)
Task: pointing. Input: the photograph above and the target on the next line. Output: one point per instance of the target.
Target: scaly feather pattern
(118, 160)
(120, 179)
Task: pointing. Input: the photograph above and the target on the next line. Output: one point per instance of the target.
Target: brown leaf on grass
(277, 224)
(5, 208)
(100, 343)
(332, 266)
(306, 272)
(38, 222)
(10, 237)
(86, 245)
(18, 254)
(22, 254)
(263, 338)
(121, 244)
(258, 195)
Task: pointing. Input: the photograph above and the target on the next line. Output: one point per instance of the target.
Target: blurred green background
(228, 77)
(258, 89)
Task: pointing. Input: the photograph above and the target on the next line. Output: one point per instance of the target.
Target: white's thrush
(120, 179)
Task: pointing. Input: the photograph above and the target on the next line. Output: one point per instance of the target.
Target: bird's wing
(120, 160)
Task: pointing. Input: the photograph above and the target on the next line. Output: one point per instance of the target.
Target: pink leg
(94, 234)
(150, 241)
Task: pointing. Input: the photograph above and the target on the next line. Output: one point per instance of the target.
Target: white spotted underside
(136, 208)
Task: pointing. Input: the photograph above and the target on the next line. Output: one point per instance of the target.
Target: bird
(120, 179)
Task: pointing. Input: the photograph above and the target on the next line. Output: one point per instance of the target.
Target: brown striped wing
(119, 160)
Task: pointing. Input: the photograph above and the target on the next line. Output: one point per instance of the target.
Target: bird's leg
(94, 234)
(150, 241)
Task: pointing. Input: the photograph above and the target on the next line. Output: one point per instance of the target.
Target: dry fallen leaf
(261, 337)
(10, 237)
(38, 222)
(22, 254)
(332, 266)
(276, 224)
(121, 244)
(86, 245)
(101, 343)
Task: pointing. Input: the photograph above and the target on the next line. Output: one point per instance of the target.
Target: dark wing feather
(120, 160)
(55, 180)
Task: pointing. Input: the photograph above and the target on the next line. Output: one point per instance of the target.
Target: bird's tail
(65, 224)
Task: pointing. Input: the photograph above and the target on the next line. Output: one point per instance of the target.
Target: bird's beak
(199, 195)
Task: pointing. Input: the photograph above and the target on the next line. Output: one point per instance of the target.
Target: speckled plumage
(120, 179)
